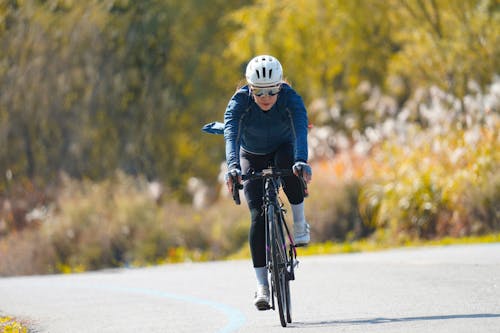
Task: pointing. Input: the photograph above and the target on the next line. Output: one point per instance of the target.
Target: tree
(446, 43)
(91, 87)
(330, 47)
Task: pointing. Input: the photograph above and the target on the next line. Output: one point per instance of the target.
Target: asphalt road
(438, 289)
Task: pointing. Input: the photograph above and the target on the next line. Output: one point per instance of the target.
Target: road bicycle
(281, 253)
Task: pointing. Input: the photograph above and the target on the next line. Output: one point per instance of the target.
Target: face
(265, 102)
(265, 97)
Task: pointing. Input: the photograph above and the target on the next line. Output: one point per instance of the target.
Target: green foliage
(448, 43)
(436, 185)
(92, 88)
(330, 47)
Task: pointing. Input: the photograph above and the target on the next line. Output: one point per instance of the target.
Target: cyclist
(266, 122)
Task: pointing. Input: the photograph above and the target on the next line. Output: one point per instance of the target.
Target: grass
(11, 325)
(371, 245)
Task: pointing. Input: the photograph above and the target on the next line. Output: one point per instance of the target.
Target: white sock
(261, 274)
(299, 217)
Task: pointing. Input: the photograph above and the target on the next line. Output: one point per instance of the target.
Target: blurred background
(103, 162)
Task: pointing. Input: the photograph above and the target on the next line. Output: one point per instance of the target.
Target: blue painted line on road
(235, 317)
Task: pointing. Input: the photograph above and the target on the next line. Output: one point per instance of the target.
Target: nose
(265, 97)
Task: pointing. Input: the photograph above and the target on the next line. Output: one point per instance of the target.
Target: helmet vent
(264, 71)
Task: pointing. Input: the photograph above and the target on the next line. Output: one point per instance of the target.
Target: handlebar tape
(236, 190)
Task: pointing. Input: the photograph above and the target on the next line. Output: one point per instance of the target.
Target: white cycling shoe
(261, 300)
(301, 234)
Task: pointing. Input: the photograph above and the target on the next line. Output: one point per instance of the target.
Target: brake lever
(304, 184)
(236, 189)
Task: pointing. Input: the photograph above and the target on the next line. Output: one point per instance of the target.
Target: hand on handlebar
(302, 169)
(231, 176)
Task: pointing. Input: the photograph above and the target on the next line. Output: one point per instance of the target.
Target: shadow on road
(383, 320)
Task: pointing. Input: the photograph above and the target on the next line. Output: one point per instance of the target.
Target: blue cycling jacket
(262, 132)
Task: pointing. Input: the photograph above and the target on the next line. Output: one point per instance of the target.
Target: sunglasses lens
(266, 91)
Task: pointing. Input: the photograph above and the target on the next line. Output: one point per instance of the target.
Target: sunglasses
(259, 92)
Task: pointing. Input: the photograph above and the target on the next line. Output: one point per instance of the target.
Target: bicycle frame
(272, 183)
(271, 201)
(280, 265)
(281, 254)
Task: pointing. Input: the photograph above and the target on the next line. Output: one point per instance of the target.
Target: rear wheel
(279, 271)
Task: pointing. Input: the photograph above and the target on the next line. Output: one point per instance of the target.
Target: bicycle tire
(289, 272)
(279, 263)
(288, 264)
(288, 301)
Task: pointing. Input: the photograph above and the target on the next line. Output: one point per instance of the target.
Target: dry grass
(401, 193)
(117, 223)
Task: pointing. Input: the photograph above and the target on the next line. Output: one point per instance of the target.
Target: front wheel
(279, 268)
(288, 301)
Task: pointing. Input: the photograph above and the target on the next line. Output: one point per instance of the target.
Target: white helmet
(264, 71)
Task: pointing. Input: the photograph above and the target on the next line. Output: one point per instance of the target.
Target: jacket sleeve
(300, 125)
(232, 127)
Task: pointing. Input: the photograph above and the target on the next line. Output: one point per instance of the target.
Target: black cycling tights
(282, 158)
